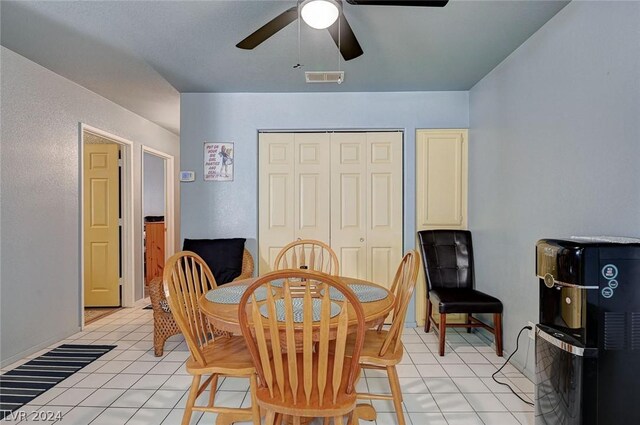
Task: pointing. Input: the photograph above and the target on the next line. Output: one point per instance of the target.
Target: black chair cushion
(464, 300)
(448, 258)
(223, 256)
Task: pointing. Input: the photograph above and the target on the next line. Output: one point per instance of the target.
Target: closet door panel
(348, 202)
(341, 188)
(384, 205)
(312, 186)
(275, 196)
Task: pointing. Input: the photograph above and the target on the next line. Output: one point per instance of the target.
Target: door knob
(361, 239)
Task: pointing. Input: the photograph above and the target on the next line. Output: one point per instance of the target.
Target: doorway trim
(169, 203)
(128, 263)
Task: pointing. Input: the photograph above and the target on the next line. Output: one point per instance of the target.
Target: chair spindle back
(404, 283)
(300, 342)
(188, 277)
(309, 254)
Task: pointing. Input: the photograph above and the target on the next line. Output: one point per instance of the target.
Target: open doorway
(157, 218)
(105, 223)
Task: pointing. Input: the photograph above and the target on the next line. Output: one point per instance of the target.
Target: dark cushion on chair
(464, 300)
(448, 258)
(223, 256)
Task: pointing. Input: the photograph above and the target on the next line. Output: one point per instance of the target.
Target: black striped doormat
(26, 382)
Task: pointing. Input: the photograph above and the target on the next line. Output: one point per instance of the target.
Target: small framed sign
(218, 161)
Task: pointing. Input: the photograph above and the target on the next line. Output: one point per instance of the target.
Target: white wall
(554, 149)
(229, 209)
(153, 195)
(40, 271)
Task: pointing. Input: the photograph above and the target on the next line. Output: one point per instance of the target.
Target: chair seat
(224, 355)
(370, 354)
(464, 300)
(318, 406)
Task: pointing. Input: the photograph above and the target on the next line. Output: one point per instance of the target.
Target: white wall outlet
(532, 332)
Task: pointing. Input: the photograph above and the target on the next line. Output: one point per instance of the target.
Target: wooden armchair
(308, 254)
(188, 277)
(289, 340)
(382, 349)
(164, 325)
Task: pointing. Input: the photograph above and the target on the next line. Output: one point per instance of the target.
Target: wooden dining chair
(188, 277)
(382, 349)
(308, 254)
(164, 325)
(289, 339)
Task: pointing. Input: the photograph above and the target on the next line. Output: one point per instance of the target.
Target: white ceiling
(142, 54)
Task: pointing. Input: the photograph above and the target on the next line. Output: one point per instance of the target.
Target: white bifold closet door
(341, 188)
(293, 191)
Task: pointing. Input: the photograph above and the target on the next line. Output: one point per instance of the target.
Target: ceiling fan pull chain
(299, 64)
(339, 46)
(339, 43)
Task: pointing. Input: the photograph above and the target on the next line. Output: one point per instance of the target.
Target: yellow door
(441, 193)
(101, 241)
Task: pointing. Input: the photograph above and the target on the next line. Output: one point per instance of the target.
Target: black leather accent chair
(447, 257)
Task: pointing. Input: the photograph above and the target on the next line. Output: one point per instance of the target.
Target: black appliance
(588, 338)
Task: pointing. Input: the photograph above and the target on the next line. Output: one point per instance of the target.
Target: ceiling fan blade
(348, 43)
(432, 3)
(269, 29)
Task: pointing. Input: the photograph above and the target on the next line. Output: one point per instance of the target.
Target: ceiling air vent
(324, 76)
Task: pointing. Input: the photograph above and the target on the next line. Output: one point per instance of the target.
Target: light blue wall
(216, 209)
(40, 214)
(153, 197)
(554, 149)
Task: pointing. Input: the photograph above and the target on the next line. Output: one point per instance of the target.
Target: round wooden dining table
(224, 318)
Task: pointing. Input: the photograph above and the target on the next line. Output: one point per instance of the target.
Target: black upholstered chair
(447, 257)
(227, 259)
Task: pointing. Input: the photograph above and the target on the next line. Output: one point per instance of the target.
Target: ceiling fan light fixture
(319, 14)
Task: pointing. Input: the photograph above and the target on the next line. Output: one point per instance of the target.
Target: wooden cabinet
(441, 179)
(153, 250)
(441, 192)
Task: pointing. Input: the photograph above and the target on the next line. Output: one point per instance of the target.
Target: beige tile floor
(131, 386)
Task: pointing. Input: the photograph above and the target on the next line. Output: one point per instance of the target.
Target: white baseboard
(15, 358)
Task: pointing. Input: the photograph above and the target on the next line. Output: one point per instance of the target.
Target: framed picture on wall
(218, 161)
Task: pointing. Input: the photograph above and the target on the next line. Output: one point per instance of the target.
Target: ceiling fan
(321, 14)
